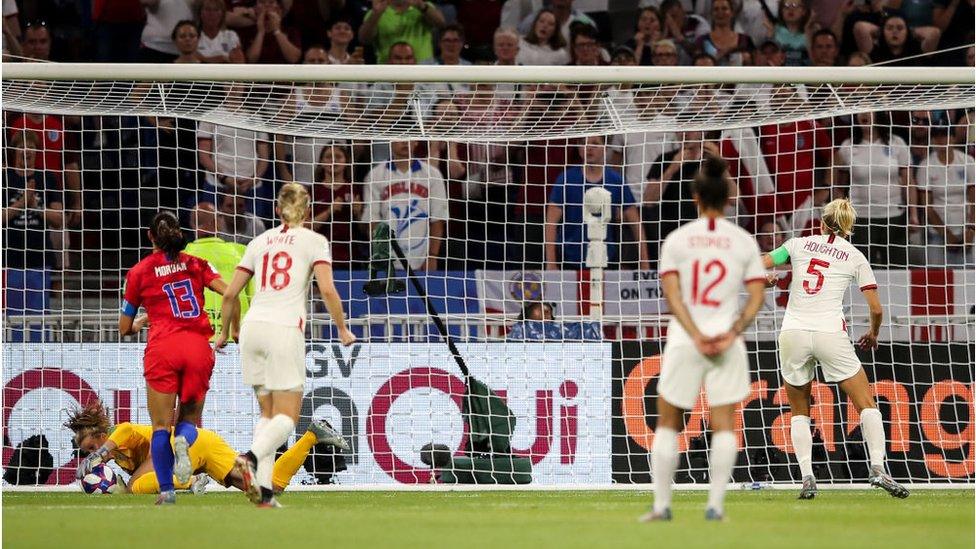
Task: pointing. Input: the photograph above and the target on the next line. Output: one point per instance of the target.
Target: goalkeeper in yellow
(223, 255)
(128, 444)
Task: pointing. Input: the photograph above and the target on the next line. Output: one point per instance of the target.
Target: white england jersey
(281, 260)
(713, 259)
(409, 201)
(823, 267)
(949, 185)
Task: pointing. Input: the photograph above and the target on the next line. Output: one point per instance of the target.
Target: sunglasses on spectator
(36, 23)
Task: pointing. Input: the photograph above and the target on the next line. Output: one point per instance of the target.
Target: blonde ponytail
(839, 217)
(293, 203)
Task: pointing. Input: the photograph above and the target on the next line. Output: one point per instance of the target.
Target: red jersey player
(178, 360)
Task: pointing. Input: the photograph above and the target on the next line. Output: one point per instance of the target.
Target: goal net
(549, 295)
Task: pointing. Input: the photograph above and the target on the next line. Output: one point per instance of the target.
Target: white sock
(664, 460)
(872, 429)
(259, 426)
(720, 464)
(802, 444)
(272, 435)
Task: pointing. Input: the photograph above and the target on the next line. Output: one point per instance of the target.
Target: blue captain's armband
(129, 309)
(780, 255)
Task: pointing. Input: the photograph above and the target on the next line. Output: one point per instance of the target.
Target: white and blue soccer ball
(101, 480)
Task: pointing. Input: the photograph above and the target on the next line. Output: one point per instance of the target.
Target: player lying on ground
(282, 261)
(129, 445)
(814, 330)
(704, 265)
(178, 359)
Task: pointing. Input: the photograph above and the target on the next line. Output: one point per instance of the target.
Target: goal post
(551, 292)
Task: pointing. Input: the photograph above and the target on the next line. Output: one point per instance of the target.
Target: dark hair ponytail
(710, 184)
(166, 234)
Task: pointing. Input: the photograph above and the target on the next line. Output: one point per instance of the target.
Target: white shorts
(273, 356)
(684, 371)
(800, 351)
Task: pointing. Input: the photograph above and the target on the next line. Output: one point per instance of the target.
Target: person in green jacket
(223, 255)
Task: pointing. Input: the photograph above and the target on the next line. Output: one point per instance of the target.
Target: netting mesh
(482, 184)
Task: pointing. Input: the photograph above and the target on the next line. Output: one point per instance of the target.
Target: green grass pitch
(767, 518)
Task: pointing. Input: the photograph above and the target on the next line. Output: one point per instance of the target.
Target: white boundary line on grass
(214, 487)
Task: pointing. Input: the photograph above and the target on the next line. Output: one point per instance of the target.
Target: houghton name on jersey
(281, 260)
(823, 267)
(713, 259)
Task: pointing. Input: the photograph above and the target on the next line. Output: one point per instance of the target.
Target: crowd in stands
(485, 205)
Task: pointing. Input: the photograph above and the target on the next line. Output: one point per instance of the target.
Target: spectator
(769, 54)
(637, 151)
(896, 43)
(268, 41)
(647, 34)
(797, 154)
(793, 31)
(954, 18)
(336, 207)
(236, 222)
(311, 17)
(623, 56)
(388, 102)
(683, 29)
(118, 29)
(341, 35)
(506, 47)
(566, 241)
(187, 41)
(806, 220)
(947, 187)
(218, 44)
(450, 45)
(566, 17)
(858, 59)
(824, 50)
(157, 35)
(586, 49)
(537, 323)
(857, 24)
(296, 156)
(666, 54)
(411, 196)
(875, 164)
(726, 46)
(481, 19)
(668, 200)
(32, 212)
(394, 21)
(36, 43)
(234, 160)
(918, 17)
(769, 237)
(543, 44)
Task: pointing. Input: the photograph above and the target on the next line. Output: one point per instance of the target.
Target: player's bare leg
(801, 436)
(721, 459)
(279, 410)
(664, 459)
(184, 435)
(872, 429)
(161, 413)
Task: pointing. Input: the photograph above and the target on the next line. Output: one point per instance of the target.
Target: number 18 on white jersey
(713, 259)
(281, 260)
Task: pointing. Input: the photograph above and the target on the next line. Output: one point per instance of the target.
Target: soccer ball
(101, 480)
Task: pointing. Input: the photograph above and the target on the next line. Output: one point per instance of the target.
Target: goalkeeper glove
(91, 461)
